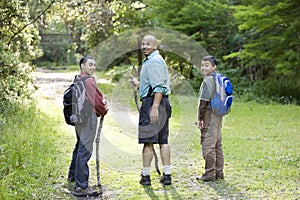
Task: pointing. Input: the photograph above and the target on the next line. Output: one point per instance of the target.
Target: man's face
(148, 45)
(207, 68)
(89, 66)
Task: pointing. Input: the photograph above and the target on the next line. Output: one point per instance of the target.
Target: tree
(272, 50)
(89, 22)
(18, 47)
(210, 23)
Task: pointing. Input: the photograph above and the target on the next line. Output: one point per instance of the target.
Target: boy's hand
(200, 124)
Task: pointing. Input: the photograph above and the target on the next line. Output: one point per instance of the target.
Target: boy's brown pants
(211, 141)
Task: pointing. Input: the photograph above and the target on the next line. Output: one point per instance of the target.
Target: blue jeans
(85, 133)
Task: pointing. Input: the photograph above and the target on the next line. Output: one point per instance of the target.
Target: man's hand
(134, 81)
(200, 124)
(154, 113)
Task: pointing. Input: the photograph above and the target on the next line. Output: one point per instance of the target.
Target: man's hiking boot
(71, 180)
(206, 178)
(83, 192)
(220, 175)
(166, 179)
(145, 180)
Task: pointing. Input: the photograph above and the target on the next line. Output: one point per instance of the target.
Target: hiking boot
(220, 175)
(145, 180)
(71, 180)
(166, 179)
(83, 192)
(206, 178)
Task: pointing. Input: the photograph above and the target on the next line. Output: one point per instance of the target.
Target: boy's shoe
(206, 178)
(145, 180)
(83, 192)
(166, 179)
(220, 175)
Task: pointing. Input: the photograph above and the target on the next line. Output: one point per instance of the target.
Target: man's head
(149, 44)
(208, 65)
(87, 64)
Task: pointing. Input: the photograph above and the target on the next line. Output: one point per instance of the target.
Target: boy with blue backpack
(215, 98)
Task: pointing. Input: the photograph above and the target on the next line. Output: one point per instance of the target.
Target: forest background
(257, 43)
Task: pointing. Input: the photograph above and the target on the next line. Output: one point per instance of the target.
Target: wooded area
(257, 43)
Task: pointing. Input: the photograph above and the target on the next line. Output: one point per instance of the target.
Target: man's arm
(155, 105)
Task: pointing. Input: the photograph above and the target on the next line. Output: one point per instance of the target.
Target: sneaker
(145, 180)
(166, 179)
(83, 192)
(220, 175)
(206, 178)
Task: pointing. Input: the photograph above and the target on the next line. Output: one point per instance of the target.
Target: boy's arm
(201, 113)
(95, 97)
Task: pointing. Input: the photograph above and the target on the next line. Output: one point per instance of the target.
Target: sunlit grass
(261, 148)
(28, 154)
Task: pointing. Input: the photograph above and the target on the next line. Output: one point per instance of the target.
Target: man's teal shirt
(154, 74)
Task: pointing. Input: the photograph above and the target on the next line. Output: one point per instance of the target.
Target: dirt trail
(52, 84)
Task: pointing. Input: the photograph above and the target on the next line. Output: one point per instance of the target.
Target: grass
(261, 146)
(29, 154)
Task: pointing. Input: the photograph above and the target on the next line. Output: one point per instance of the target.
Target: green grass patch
(32, 160)
(261, 147)
(28, 154)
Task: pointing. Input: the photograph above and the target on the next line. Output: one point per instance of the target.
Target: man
(155, 110)
(86, 131)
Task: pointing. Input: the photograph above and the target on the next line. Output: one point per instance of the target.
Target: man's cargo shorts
(157, 132)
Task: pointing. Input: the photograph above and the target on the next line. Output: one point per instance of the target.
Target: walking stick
(97, 150)
(135, 95)
(138, 108)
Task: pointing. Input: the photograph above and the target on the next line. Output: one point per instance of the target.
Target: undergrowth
(28, 153)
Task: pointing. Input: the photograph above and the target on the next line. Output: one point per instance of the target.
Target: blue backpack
(222, 99)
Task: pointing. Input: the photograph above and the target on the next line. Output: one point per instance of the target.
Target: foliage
(18, 47)
(271, 51)
(89, 22)
(28, 153)
(209, 23)
(254, 41)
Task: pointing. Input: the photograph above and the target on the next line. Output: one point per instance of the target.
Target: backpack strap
(79, 78)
